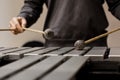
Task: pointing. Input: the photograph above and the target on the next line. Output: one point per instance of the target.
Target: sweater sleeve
(31, 11)
(114, 7)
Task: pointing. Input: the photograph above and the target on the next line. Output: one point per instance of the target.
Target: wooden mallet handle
(33, 30)
(100, 36)
(6, 29)
(48, 33)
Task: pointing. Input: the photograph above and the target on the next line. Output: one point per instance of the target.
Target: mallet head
(79, 44)
(48, 34)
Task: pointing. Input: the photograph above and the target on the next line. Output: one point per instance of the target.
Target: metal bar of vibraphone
(114, 54)
(7, 48)
(39, 69)
(77, 52)
(42, 51)
(20, 54)
(12, 68)
(4, 52)
(2, 49)
(61, 67)
(13, 50)
(60, 51)
(67, 70)
(97, 53)
(17, 53)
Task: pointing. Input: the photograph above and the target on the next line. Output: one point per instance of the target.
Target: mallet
(80, 44)
(48, 33)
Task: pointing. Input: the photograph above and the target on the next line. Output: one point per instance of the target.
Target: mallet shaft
(33, 30)
(48, 33)
(6, 29)
(28, 29)
(100, 36)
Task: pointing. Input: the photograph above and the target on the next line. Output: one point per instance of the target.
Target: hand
(17, 24)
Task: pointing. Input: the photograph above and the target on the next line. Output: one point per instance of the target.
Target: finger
(23, 21)
(16, 25)
(12, 26)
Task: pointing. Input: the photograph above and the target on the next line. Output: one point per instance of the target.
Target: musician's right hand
(17, 24)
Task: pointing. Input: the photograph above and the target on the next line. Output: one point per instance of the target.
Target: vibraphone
(59, 63)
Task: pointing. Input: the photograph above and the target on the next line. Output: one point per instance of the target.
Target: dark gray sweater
(71, 19)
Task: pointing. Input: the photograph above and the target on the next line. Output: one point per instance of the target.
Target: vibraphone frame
(59, 63)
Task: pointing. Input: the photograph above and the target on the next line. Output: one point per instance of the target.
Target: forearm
(31, 11)
(114, 7)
